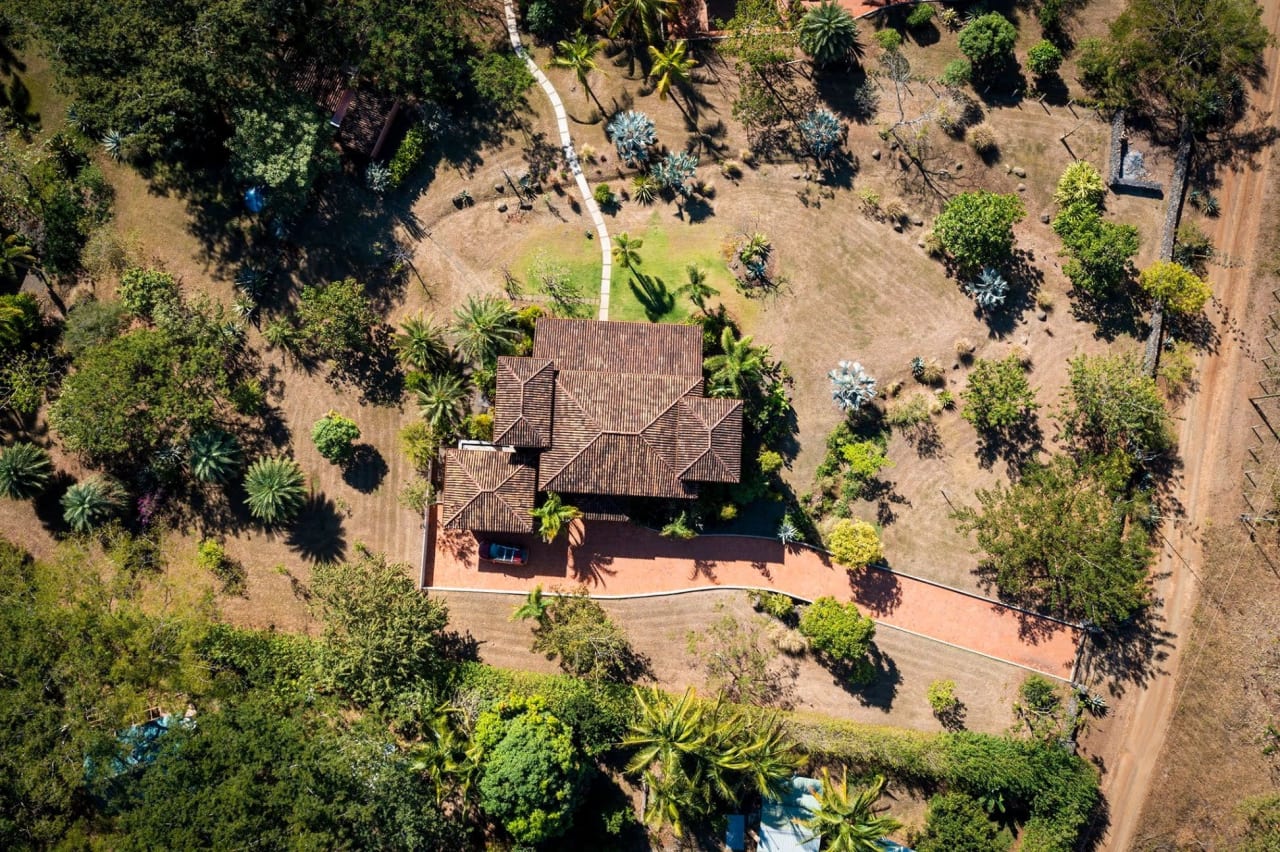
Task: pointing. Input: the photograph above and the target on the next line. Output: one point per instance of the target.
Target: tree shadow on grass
(318, 535)
(881, 691)
(1131, 655)
(366, 469)
(1017, 446)
(652, 294)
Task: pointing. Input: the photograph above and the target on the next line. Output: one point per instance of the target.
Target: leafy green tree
(284, 146)
(485, 328)
(998, 396)
(829, 34)
(382, 636)
(988, 42)
(90, 503)
(442, 402)
(416, 52)
(335, 437)
(1080, 184)
(849, 823)
(626, 250)
(1065, 540)
(976, 228)
(1174, 286)
(586, 640)
(501, 79)
(1044, 58)
(578, 54)
(421, 344)
(957, 823)
(553, 515)
(275, 489)
(24, 471)
(1101, 252)
(854, 544)
(142, 291)
(532, 774)
(1109, 405)
(738, 368)
(335, 320)
(1178, 58)
(842, 634)
(214, 455)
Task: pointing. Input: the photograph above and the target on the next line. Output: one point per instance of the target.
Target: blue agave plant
(821, 132)
(988, 289)
(675, 172)
(632, 134)
(851, 386)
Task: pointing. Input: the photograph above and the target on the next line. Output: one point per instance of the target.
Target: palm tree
(214, 455)
(768, 758)
(738, 369)
(15, 255)
(442, 402)
(552, 515)
(640, 21)
(698, 290)
(274, 486)
(89, 503)
(485, 328)
(578, 54)
(626, 250)
(829, 34)
(421, 344)
(24, 471)
(670, 68)
(447, 757)
(848, 824)
(535, 606)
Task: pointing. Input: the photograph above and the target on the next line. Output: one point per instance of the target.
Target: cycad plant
(421, 344)
(829, 34)
(16, 255)
(90, 503)
(485, 328)
(275, 489)
(214, 455)
(535, 606)
(442, 402)
(848, 823)
(553, 515)
(24, 471)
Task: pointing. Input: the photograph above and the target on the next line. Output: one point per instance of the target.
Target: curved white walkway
(571, 157)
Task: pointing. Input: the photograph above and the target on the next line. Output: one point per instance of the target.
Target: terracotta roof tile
(620, 347)
(525, 400)
(487, 490)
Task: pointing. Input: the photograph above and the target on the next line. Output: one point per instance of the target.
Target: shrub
(958, 823)
(211, 556)
(998, 396)
(932, 372)
(731, 169)
(911, 411)
(854, 544)
(920, 16)
(407, 156)
(24, 471)
(786, 640)
(976, 228)
(416, 494)
(419, 444)
(90, 323)
(982, 139)
(1044, 58)
(144, 290)
(249, 397)
(1080, 184)
(888, 39)
(776, 604)
(988, 41)
(334, 436)
(964, 348)
(942, 698)
(1179, 289)
(604, 196)
(957, 73)
(841, 634)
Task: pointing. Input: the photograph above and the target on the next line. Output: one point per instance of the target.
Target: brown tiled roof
(487, 490)
(525, 400)
(710, 444)
(620, 347)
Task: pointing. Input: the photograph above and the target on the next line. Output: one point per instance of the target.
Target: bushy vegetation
(842, 635)
(976, 228)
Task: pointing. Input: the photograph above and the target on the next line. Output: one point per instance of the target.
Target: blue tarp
(781, 820)
(735, 833)
(255, 199)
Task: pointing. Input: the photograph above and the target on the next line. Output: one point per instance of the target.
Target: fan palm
(535, 606)
(274, 486)
(485, 328)
(421, 344)
(698, 290)
(671, 67)
(552, 515)
(738, 368)
(578, 54)
(24, 471)
(442, 400)
(626, 250)
(848, 823)
(214, 455)
(89, 503)
(829, 34)
(15, 255)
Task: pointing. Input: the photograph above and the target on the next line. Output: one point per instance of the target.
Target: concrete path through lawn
(571, 157)
(621, 560)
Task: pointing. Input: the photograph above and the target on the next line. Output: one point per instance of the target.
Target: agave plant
(852, 387)
(377, 177)
(632, 134)
(113, 144)
(788, 532)
(917, 367)
(24, 471)
(214, 455)
(988, 289)
(675, 171)
(644, 189)
(821, 132)
(90, 503)
(251, 280)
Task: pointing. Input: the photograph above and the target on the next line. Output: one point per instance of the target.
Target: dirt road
(1212, 441)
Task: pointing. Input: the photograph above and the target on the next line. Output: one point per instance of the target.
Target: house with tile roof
(599, 410)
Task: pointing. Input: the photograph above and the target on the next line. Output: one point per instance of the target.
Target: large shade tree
(976, 228)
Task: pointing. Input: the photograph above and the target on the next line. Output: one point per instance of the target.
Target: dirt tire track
(1212, 442)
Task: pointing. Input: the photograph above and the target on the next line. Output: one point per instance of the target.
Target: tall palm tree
(214, 455)
(768, 758)
(485, 328)
(578, 54)
(447, 757)
(421, 344)
(442, 402)
(89, 503)
(535, 606)
(552, 516)
(24, 471)
(671, 67)
(698, 290)
(848, 823)
(15, 255)
(640, 21)
(738, 368)
(626, 250)
(829, 34)
(275, 490)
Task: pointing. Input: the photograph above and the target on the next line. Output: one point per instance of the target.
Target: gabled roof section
(525, 402)
(710, 442)
(620, 347)
(487, 490)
